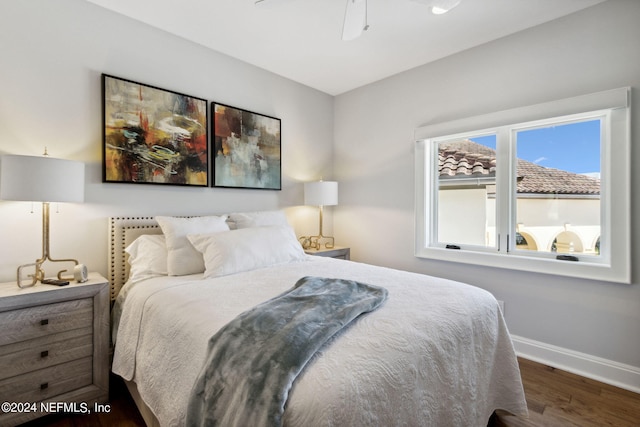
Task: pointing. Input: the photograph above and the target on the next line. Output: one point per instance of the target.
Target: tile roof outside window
(468, 159)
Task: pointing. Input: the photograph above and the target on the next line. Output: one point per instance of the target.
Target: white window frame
(614, 263)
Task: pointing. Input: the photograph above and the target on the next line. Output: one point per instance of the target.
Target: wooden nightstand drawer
(42, 384)
(39, 353)
(337, 252)
(54, 345)
(33, 322)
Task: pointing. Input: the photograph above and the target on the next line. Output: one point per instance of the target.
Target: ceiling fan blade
(355, 19)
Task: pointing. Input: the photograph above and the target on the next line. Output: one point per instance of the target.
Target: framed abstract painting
(153, 135)
(246, 150)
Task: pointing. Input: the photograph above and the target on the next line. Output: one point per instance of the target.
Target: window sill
(617, 271)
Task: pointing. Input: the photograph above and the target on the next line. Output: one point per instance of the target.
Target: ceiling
(301, 39)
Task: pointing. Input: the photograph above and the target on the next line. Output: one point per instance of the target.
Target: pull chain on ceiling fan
(355, 17)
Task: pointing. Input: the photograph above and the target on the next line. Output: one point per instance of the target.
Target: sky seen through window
(573, 147)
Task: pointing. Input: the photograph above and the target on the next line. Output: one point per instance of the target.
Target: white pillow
(247, 249)
(258, 219)
(182, 257)
(147, 257)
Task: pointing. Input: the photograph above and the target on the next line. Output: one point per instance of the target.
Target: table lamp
(41, 179)
(321, 194)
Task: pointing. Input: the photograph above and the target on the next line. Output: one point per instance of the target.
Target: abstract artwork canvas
(152, 135)
(246, 149)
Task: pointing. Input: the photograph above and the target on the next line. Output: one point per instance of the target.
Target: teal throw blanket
(253, 360)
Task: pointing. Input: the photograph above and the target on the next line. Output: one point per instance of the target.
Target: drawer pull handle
(44, 353)
(44, 386)
(44, 322)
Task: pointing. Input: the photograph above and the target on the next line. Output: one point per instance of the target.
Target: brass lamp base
(39, 274)
(316, 242)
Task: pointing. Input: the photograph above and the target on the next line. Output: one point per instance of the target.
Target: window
(532, 188)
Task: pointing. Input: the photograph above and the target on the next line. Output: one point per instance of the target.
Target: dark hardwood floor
(555, 399)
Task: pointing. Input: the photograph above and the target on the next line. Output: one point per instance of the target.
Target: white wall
(52, 56)
(593, 50)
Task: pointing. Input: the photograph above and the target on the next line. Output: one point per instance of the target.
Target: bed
(435, 352)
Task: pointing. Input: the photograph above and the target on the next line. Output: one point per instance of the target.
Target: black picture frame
(246, 149)
(153, 135)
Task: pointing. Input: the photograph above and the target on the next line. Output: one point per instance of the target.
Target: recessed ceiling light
(440, 7)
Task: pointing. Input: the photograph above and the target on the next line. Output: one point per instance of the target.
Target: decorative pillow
(258, 219)
(182, 257)
(247, 249)
(147, 257)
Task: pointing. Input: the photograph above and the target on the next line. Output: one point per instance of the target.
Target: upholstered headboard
(122, 232)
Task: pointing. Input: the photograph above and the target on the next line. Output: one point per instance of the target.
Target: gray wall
(53, 53)
(593, 50)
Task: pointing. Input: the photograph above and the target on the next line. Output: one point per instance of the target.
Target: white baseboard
(595, 368)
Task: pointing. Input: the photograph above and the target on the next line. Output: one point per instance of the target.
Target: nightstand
(337, 252)
(54, 347)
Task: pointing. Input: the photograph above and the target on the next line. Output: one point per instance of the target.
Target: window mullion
(504, 172)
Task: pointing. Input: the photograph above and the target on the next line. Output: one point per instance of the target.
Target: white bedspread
(437, 353)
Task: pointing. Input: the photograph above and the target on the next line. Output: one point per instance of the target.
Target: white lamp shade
(321, 193)
(41, 179)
